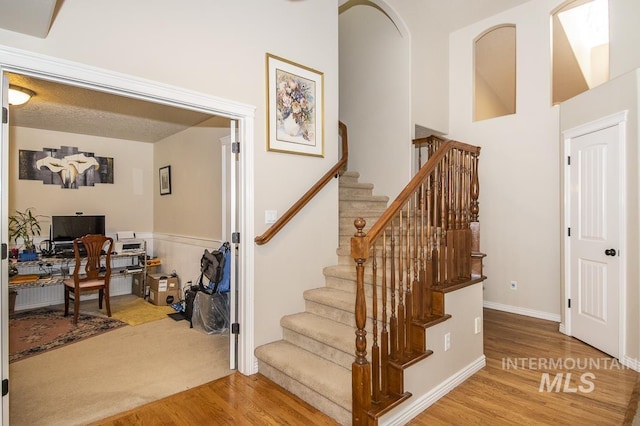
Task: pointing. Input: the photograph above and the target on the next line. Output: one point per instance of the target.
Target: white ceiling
(32, 17)
(76, 110)
(456, 14)
(71, 109)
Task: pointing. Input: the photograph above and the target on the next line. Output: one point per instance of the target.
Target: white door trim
(55, 69)
(4, 238)
(620, 120)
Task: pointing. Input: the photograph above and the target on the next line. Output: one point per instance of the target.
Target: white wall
(429, 62)
(624, 36)
(218, 48)
(189, 220)
(519, 164)
(126, 203)
(374, 98)
(194, 207)
(520, 161)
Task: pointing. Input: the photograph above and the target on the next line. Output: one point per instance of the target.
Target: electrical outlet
(447, 341)
(514, 285)
(478, 325)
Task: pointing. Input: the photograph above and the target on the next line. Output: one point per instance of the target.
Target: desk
(34, 291)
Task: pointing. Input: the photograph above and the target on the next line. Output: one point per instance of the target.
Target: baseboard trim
(428, 399)
(631, 363)
(522, 311)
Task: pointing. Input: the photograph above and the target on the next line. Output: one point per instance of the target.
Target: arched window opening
(580, 31)
(495, 73)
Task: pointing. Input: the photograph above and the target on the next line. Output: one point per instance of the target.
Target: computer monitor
(65, 229)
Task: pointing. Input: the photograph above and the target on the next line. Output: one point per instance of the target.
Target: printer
(127, 242)
(128, 245)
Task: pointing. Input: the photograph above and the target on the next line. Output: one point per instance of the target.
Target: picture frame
(165, 180)
(295, 108)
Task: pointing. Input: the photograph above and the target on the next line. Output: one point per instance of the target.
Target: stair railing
(335, 171)
(421, 246)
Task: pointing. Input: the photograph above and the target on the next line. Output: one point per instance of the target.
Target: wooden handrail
(408, 191)
(293, 210)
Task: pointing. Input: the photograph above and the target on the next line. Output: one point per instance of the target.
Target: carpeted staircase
(314, 358)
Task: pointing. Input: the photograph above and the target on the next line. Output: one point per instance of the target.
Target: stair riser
(353, 192)
(341, 356)
(339, 315)
(350, 287)
(337, 412)
(363, 204)
(352, 214)
(348, 229)
(349, 177)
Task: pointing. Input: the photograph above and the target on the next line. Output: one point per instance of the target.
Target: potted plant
(25, 225)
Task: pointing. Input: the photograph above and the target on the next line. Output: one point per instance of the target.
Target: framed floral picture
(295, 108)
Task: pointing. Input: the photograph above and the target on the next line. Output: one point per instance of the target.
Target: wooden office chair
(89, 273)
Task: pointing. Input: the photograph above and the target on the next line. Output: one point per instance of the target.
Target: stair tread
(332, 297)
(364, 198)
(323, 376)
(348, 272)
(360, 185)
(331, 333)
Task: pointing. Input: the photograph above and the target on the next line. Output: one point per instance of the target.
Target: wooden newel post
(361, 369)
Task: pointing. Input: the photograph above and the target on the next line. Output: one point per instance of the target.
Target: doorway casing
(54, 69)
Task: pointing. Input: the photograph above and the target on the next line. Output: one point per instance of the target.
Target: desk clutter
(39, 283)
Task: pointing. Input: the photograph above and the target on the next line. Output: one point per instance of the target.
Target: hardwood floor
(499, 394)
(523, 356)
(232, 400)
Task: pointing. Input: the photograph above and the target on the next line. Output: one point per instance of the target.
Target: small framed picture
(295, 108)
(165, 180)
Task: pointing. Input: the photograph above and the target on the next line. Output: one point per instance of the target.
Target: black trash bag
(211, 312)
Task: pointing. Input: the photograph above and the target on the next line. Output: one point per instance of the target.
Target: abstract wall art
(65, 166)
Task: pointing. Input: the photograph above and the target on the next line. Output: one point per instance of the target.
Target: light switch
(270, 216)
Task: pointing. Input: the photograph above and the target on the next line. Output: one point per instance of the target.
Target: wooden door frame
(619, 120)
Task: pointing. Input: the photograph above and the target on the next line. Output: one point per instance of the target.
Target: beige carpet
(113, 372)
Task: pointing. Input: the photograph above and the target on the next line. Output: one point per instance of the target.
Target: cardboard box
(163, 289)
(164, 298)
(138, 287)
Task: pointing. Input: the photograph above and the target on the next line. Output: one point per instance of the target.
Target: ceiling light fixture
(19, 95)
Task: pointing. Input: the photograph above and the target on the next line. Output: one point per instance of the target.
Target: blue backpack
(216, 267)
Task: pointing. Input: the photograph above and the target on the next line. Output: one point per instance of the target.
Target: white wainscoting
(53, 294)
(36, 297)
(180, 254)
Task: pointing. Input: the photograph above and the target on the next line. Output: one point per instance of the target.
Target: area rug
(139, 311)
(36, 331)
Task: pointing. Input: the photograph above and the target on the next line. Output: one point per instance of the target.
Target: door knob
(610, 252)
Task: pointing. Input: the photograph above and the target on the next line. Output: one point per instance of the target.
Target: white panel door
(594, 258)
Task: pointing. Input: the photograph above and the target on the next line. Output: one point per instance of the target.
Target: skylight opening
(580, 47)
(587, 28)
